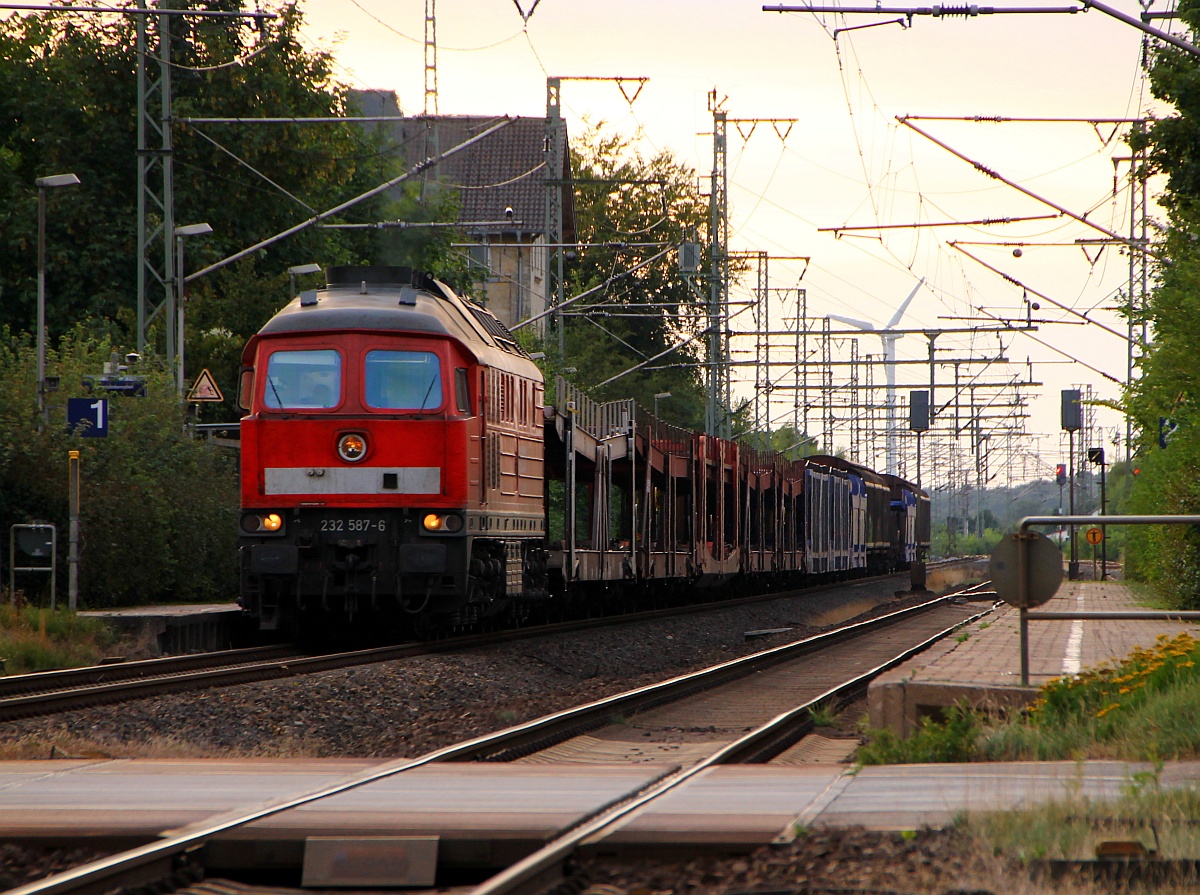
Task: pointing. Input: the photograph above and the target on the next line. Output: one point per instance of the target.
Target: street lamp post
(656, 400)
(298, 270)
(44, 183)
(181, 292)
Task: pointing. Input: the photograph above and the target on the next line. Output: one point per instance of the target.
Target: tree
(68, 95)
(1169, 386)
(159, 510)
(622, 198)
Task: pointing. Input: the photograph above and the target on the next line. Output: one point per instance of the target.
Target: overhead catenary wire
(970, 10)
(338, 209)
(608, 282)
(1011, 279)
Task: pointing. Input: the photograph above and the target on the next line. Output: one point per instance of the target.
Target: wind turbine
(889, 366)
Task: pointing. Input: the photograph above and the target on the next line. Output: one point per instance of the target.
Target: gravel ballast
(406, 708)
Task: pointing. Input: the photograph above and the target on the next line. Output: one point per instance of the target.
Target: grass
(1163, 821)
(1144, 708)
(954, 738)
(34, 639)
(824, 713)
(61, 744)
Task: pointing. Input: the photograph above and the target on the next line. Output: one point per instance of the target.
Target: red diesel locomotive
(399, 463)
(391, 458)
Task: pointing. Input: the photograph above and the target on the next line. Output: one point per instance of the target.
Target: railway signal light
(1060, 473)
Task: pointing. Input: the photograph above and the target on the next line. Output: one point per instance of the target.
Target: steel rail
(155, 860)
(35, 681)
(24, 696)
(546, 731)
(754, 747)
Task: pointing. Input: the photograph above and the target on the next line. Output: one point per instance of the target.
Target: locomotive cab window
(403, 380)
(462, 390)
(303, 380)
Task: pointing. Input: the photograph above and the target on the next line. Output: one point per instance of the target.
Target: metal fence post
(73, 532)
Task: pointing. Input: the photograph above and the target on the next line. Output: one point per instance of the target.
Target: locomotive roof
(397, 299)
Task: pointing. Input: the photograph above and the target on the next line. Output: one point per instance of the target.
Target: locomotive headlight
(262, 523)
(352, 447)
(443, 523)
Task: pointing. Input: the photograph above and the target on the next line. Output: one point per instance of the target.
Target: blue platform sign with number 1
(88, 417)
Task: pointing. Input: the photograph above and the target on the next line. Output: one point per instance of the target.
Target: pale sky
(846, 161)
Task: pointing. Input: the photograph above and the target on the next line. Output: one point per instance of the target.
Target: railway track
(41, 693)
(788, 680)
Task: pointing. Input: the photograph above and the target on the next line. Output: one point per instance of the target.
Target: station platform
(982, 666)
(175, 630)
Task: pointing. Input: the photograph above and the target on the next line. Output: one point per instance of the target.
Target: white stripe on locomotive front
(352, 480)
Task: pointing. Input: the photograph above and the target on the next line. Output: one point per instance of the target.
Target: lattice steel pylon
(156, 199)
(431, 84)
(556, 171)
(717, 420)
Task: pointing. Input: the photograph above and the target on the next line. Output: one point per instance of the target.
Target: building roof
(505, 170)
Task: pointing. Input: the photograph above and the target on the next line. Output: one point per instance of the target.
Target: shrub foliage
(158, 508)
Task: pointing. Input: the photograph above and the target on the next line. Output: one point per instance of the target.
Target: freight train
(401, 468)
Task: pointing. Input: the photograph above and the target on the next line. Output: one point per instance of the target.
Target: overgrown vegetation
(33, 639)
(954, 738)
(1144, 708)
(1164, 397)
(157, 508)
(1069, 828)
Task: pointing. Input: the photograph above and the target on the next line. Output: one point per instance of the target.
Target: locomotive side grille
(491, 453)
(495, 328)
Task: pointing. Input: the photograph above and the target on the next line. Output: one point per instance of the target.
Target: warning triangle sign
(205, 389)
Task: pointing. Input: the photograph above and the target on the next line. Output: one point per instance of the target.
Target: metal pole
(73, 475)
(569, 520)
(1103, 527)
(1073, 565)
(1024, 539)
(167, 168)
(179, 290)
(1024, 613)
(918, 459)
(41, 309)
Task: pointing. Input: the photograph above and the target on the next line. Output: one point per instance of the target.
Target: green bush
(158, 509)
(953, 739)
(1144, 708)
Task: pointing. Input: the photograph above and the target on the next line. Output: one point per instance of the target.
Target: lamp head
(193, 229)
(57, 180)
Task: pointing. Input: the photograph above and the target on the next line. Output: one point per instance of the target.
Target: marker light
(262, 523)
(449, 523)
(352, 447)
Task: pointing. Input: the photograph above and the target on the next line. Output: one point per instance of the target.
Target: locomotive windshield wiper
(278, 400)
(428, 392)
